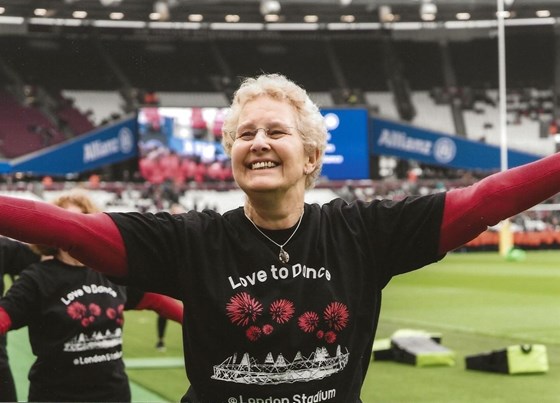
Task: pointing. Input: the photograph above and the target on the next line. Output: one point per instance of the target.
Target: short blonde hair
(76, 198)
(310, 122)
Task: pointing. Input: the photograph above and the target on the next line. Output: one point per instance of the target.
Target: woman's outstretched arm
(93, 239)
(471, 210)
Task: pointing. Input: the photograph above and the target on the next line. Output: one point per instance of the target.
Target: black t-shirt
(75, 320)
(14, 257)
(256, 328)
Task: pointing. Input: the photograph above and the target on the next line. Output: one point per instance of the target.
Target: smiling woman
(271, 170)
(295, 287)
(286, 108)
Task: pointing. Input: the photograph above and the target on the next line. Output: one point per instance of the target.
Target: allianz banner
(102, 147)
(408, 142)
(346, 154)
(5, 167)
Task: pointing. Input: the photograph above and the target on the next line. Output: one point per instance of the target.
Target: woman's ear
(311, 163)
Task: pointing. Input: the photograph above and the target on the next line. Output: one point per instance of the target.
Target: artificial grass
(479, 302)
(169, 382)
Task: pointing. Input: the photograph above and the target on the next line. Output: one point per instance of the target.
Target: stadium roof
(206, 12)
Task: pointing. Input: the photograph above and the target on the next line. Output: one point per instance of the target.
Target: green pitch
(477, 301)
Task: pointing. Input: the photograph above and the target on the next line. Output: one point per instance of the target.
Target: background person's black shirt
(75, 320)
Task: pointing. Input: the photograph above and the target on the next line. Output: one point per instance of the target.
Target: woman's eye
(277, 132)
(246, 134)
(273, 133)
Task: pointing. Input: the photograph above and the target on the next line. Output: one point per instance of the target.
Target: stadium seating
(77, 122)
(24, 129)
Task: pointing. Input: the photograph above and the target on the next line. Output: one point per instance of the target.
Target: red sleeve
(165, 306)
(93, 239)
(5, 321)
(469, 211)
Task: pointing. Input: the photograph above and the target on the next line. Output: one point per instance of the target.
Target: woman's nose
(260, 141)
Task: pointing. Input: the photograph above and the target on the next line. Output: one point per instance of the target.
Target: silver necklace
(282, 255)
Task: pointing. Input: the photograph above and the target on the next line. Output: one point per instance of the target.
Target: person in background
(14, 257)
(75, 321)
(161, 325)
(282, 298)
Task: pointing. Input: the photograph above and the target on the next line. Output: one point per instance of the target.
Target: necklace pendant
(283, 256)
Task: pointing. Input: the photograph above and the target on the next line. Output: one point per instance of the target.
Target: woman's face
(271, 158)
(73, 208)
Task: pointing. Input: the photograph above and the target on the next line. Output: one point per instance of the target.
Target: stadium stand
(71, 117)
(24, 129)
(420, 77)
(100, 106)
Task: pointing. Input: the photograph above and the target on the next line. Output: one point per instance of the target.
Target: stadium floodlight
(428, 10)
(270, 7)
(385, 14)
(161, 9)
(108, 3)
(542, 13)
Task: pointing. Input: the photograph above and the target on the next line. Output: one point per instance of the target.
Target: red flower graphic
(308, 321)
(267, 329)
(87, 321)
(330, 337)
(94, 309)
(76, 310)
(116, 314)
(253, 333)
(111, 313)
(282, 310)
(336, 314)
(242, 309)
(320, 334)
